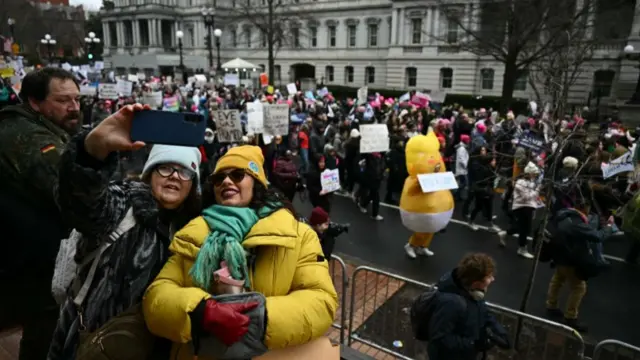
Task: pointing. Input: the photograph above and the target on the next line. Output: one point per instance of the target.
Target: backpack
(421, 312)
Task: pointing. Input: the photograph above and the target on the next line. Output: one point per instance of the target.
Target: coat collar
(278, 229)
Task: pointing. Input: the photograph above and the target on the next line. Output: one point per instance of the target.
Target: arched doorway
(302, 71)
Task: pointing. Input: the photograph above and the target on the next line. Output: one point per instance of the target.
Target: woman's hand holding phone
(113, 133)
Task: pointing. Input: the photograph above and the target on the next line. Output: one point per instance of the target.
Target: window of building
(416, 31)
(351, 35)
(411, 76)
(328, 73)
(446, 78)
(487, 78)
(247, 33)
(332, 36)
(602, 82)
(277, 69)
(191, 37)
(295, 33)
(128, 33)
(144, 32)
(369, 75)
(313, 32)
(234, 38)
(452, 32)
(521, 80)
(348, 74)
(113, 33)
(373, 35)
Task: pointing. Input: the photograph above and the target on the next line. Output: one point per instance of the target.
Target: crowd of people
(161, 231)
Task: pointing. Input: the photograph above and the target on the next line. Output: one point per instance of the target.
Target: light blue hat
(188, 157)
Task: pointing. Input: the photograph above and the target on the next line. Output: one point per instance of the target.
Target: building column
(468, 9)
(136, 32)
(105, 34)
(427, 25)
(152, 32)
(401, 27)
(394, 27)
(120, 31)
(436, 23)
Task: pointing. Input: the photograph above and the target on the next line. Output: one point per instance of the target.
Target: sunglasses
(236, 175)
(183, 174)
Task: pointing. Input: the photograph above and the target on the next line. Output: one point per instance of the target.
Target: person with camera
(327, 231)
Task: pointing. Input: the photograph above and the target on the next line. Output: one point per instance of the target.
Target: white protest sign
(622, 164)
(276, 119)
(255, 118)
(231, 79)
(330, 180)
(125, 87)
(374, 138)
(153, 99)
(107, 91)
(229, 128)
(362, 95)
(437, 181)
(86, 90)
(132, 77)
(292, 89)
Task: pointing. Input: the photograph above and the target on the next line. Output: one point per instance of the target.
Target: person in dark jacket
(395, 160)
(483, 169)
(285, 175)
(461, 325)
(372, 175)
(32, 138)
(317, 195)
(327, 231)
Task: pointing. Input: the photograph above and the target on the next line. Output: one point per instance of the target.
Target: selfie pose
(115, 268)
(286, 298)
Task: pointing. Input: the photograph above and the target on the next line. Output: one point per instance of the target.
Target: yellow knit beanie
(245, 157)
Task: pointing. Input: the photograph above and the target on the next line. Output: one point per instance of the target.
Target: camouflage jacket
(30, 149)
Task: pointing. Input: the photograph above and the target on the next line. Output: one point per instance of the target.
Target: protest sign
(86, 90)
(622, 164)
(231, 79)
(531, 141)
(153, 99)
(171, 104)
(362, 95)
(229, 128)
(132, 77)
(437, 181)
(108, 91)
(330, 180)
(125, 87)
(255, 118)
(374, 138)
(276, 119)
(292, 89)
(264, 80)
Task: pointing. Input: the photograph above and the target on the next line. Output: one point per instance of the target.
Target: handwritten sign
(125, 87)
(86, 90)
(107, 91)
(228, 126)
(292, 89)
(255, 118)
(437, 181)
(276, 119)
(231, 79)
(153, 99)
(330, 180)
(362, 95)
(622, 164)
(374, 138)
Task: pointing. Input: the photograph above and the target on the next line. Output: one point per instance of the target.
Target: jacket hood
(448, 283)
(461, 144)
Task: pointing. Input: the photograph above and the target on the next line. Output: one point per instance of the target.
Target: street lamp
(50, 43)
(208, 14)
(218, 33)
(90, 42)
(631, 54)
(12, 22)
(180, 35)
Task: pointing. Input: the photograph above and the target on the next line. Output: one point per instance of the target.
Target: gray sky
(88, 4)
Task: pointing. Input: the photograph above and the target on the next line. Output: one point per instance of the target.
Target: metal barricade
(340, 282)
(379, 317)
(615, 350)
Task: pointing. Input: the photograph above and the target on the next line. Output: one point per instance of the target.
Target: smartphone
(170, 128)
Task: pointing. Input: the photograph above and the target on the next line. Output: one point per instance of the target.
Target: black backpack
(421, 311)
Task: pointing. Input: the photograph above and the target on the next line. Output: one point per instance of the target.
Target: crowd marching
(160, 232)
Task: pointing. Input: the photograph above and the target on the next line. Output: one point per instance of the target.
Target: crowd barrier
(615, 350)
(341, 282)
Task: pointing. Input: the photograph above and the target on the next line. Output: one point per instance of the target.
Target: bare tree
(518, 33)
(278, 23)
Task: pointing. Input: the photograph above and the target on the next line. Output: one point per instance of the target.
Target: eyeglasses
(183, 174)
(236, 175)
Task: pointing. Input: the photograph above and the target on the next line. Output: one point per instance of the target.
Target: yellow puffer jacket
(289, 271)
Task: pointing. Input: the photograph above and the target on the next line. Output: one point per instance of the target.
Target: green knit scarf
(229, 226)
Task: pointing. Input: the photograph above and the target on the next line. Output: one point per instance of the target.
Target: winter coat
(373, 169)
(525, 194)
(316, 147)
(94, 207)
(289, 270)
(462, 159)
(478, 141)
(458, 324)
(482, 173)
(285, 174)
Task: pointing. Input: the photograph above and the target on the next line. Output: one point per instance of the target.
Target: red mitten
(227, 322)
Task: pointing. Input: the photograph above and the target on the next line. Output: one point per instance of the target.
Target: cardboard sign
(132, 78)
(437, 181)
(292, 89)
(124, 87)
(153, 99)
(622, 164)
(229, 128)
(255, 118)
(276, 119)
(86, 90)
(108, 91)
(362, 95)
(374, 138)
(330, 180)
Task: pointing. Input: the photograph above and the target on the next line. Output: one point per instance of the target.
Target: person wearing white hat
(525, 202)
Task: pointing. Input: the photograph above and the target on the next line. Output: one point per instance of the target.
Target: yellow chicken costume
(423, 213)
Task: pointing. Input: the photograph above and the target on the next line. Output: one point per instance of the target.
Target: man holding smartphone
(32, 137)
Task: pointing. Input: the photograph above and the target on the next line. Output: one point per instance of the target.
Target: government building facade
(385, 44)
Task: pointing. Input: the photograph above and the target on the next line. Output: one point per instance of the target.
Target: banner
(374, 138)
(622, 164)
(276, 119)
(531, 141)
(228, 126)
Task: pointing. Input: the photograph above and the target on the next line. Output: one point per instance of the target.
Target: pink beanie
(482, 128)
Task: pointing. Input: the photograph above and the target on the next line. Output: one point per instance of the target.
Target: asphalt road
(608, 307)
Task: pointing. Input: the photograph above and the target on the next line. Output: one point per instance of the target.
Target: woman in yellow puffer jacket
(259, 243)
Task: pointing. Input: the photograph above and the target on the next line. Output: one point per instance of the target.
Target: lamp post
(49, 42)
(180, 35)
(90, 42)
(630, 53)
(208, 14)
(12, 23)
(218, 33)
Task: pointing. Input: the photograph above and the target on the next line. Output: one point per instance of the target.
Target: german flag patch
(47, 148)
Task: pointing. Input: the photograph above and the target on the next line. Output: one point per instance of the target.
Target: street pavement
(608, 307)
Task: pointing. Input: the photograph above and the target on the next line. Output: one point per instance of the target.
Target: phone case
(170, 128)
